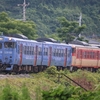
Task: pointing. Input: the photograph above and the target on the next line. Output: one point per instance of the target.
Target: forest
(45, 14)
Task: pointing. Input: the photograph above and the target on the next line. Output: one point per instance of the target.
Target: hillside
(45, 13)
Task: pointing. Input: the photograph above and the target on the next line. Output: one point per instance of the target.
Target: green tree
(69, 29)
(12, 26)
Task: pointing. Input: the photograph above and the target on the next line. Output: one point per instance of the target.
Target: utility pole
(80, 19)
(24, 9)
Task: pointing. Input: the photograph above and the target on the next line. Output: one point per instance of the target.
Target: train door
(45, 54)
(39, 53)
(50, 56)
(65, 57)
(35, 54)
(79, 58)
(74, 56)
(98, 59)
(20, 46)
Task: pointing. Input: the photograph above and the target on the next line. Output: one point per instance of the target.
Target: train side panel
(86, 57)
(56, 54)
(29, 53)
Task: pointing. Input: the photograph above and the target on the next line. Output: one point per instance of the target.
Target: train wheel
(36, 70)
(40, 68)
(15, 69)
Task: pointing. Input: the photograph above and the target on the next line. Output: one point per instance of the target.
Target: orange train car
(85, 57)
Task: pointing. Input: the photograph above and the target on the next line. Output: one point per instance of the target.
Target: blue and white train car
(19, 54)
(59, 55)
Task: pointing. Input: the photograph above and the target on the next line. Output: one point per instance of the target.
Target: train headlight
(10, 38)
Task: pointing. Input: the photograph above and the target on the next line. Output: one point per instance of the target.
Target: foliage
(61, 93)
(9, 94)
(12, 26)
(68, 29)
(39, 87)
(51, 70)
(45, 13)
(70, 93)
(25, 93)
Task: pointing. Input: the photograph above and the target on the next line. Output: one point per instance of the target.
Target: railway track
(15, 76)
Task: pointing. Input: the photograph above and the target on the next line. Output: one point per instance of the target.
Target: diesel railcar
(85, 57)
(20, 55)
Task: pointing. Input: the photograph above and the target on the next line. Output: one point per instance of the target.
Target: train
(21, 55)
(24, 55)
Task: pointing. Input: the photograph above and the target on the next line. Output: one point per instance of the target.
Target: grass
(43, 81)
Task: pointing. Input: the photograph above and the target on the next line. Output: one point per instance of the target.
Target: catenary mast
(24, 9)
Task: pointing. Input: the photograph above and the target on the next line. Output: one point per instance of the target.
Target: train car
(85, 57)
(57, 54)
(17, 53)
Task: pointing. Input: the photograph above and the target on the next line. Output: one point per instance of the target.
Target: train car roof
(61, 44)
(16, 39)
(81, 46)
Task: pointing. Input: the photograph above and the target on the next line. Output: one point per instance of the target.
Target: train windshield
(9, 44)
(0, 45)
(73, 50)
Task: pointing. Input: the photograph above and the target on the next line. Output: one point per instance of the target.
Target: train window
(87, 54)
(54, 53)
(9, 44)
(29, 50)
(18, 49)
(73, 50)
(78, 53)
(94, 55)
(46, 51)
(59, 52)
(39, 51)
(83, 54)
(62, 52)
(90, 55)
(0, 45)
(25, 50)
(32, 50)
(69, 52)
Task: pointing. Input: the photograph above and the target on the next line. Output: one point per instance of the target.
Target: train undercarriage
(17, 69)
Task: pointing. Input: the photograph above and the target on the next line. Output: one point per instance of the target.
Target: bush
(51, 70)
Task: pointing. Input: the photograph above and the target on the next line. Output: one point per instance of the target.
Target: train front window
(0, 45)
(73, 50)
(9, 44)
